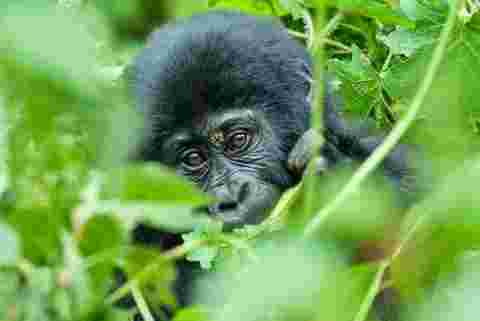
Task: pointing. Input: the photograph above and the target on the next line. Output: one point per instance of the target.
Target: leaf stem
(372, 292)
(325, 32)
(173, 254)
(141, 303)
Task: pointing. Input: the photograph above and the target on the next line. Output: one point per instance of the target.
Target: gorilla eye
(238, 141)
(193, 159)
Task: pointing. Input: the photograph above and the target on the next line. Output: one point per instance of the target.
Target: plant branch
(141, 303)
(173, 254)
(372, 292)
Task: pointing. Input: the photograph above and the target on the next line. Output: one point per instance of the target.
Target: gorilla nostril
(225, 206)
(222, 206)
(243, 192)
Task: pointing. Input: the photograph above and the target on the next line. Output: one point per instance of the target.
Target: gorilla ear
(306, 74)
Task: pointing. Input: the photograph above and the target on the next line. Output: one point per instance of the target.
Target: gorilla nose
(222, 206)
(229, 197)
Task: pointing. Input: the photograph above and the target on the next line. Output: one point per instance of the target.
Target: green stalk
(374, 289)
(141, 303)
(173, 254)
(317, 107)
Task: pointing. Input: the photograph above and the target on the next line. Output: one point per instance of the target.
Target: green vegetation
(69, 198)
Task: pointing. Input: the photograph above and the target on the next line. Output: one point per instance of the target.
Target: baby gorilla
(226, 100)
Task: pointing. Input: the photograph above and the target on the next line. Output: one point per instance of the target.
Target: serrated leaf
(406, 42)
(205, 255)
(210, 235)
(294, 7)
(461, 63)
(361, 87)
(373, 9)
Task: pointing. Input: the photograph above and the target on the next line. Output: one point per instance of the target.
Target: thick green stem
(173, 254)
(374, 289)
(141, 303)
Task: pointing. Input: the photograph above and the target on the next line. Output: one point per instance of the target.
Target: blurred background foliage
(69, 199)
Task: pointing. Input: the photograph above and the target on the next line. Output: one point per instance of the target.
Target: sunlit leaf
(195, 313)
(150, 182)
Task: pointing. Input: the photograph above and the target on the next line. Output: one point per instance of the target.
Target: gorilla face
(235, 156)
(224, 96)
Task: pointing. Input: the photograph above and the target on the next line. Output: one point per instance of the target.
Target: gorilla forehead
(221, 60)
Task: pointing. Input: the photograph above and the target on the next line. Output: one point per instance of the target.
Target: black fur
(222, 60)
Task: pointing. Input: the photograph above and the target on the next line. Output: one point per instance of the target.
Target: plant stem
(395, 135)
(329, 28)
(141, 303)
(309, 28)
(316, 107)
(173, 254)
(372, 292)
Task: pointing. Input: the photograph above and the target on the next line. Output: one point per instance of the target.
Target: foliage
(69, 200)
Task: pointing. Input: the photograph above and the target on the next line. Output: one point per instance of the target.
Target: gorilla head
(226, 103)
(225, 99)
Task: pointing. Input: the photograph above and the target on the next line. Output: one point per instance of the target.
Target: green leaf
(157, 286)
(205, 255)
(320, 290)
(186, 8)
(30, 57)
(151, 182)
(61, 304)
(39, 231)
(459, 72)
(409, 7)
(406, 42)
(10, 247)
(294, 7)
(210, 234)
(255, 7)
(373, 9)
(440, 232)
(171, 217)
(195, 313)
(361, 86)
(101, 233)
